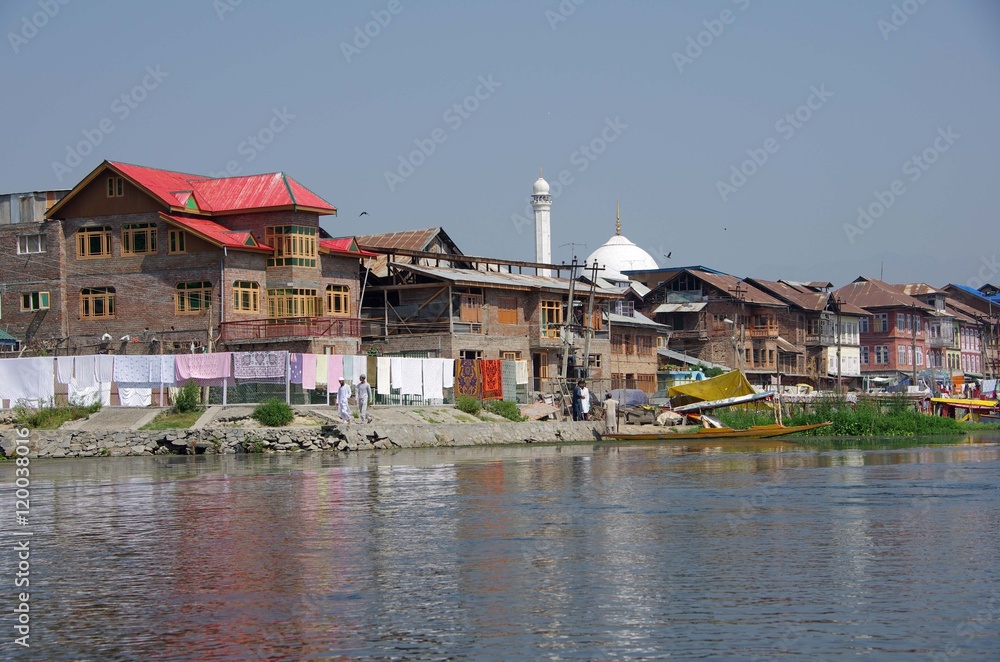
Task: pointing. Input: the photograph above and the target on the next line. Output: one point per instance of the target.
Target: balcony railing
(763, 332)
(290, 327)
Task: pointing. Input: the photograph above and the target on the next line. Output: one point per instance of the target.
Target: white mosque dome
(541, 186)
(618, 254)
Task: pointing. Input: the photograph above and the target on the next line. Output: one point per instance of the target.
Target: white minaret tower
(542, 203)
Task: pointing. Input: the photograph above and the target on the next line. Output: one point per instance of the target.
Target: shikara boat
(755, 432)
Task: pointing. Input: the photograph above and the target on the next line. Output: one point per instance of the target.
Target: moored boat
(755, 432)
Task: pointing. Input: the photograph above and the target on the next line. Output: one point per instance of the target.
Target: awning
(687, 307)
(787, 347)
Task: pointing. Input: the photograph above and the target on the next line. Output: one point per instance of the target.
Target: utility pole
(566, 333)
(738, 293)
(838, 302)
(589, 320)
(913, 343)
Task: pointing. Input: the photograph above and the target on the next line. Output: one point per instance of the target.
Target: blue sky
(738, 134)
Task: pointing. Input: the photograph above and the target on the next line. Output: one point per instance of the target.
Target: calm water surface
(558, 552)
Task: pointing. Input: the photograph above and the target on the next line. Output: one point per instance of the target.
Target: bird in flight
(364, 213)
(668, 255)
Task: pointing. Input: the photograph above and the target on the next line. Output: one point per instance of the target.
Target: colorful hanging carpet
(492, 378)
(251, 366)
(467, 378)
(509, 378)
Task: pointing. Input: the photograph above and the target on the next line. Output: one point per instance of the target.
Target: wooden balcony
(763, 332)
(290, 327)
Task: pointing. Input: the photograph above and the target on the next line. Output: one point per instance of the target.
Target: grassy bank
(50, 418)
(893, 418)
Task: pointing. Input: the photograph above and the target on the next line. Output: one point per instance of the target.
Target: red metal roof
(346, 245)
(223, 195)
(218, 234)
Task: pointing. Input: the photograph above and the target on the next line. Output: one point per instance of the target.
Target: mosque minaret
(541, 201)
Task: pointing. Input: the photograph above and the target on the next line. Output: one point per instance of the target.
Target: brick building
(146, 260)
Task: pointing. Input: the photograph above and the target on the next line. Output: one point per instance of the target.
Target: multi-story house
(157, 261)
(434, 304)
(635, 340)
(720, 319)
(820, 334)
(892, 336)
(983, 306)
(30, 279)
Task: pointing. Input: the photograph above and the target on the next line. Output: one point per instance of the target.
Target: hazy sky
(739, 134)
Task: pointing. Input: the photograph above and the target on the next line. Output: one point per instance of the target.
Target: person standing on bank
(585, 402)
(577, 405)
(364, 396)
(610, 414)
(343, 406)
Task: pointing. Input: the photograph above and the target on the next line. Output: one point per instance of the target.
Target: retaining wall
(95, 443)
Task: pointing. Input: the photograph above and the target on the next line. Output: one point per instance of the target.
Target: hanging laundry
(322, 370)
(372, 372)
(252, 366)
(135, 397)
(99, 392)
(86, 371)
(448, 373)
(382, 376)
(203, 367)
(508, 373)
(349, 370)
(432, 379)
(308, 372)
(31, 379)
(492, 379)
(64, 369)
(336, 370)
(104, 368)
(522, 372)
(396, 371)
(360, 366)
(166, 370)
(295, 368)
(467, 378)
(133, 369)
(413, 377)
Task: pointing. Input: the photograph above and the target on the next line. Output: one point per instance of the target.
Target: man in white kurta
(343, 406)
(610, 414)
(364, 397)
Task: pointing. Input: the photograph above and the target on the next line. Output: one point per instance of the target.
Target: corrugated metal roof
(686, 307)
(689, 360)
(347, 245)
(409, 240)
(636, 319)
(501, 279)
(198, 194)
(218, 234)
(727, 283)
(794, 294)
(870, 293)
(918, 289)
(785, 346)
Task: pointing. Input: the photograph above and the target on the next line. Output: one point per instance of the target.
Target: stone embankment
(97, 443)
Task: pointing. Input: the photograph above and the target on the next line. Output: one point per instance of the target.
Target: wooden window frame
(191, 292)
(294, 245)
(116, 187)
(34, 301)
(176, 242)
(550, 314)
(289, 302)
(338, 300)
(130, 231)
(86, 235)
(246, 296)
(27, 249)
(510, 356)
(507, 310)
(470, 308)
(90, 297)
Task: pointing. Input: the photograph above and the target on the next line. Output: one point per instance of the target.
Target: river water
(761, 552)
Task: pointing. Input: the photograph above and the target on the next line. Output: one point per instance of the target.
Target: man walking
(343, 406)
(364, 396)
(577, 405)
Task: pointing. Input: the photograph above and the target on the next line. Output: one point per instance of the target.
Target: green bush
(468, 405)
(506, 409)
(273, 413)
(187, 398)
(48, 417)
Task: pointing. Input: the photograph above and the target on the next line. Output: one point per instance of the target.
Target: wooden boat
(755, 432)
